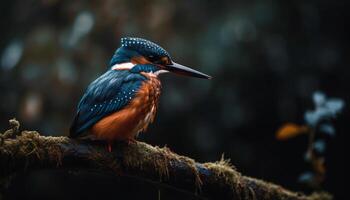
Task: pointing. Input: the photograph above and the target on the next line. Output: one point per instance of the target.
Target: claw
(109, 147)
(131, 141)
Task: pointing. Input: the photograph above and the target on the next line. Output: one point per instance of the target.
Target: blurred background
(267, 58)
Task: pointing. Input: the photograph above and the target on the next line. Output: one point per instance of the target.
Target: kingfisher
(123, 101)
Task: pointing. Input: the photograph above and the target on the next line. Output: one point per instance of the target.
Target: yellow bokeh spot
(290, 130)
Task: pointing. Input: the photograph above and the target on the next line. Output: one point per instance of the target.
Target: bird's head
(140, 55)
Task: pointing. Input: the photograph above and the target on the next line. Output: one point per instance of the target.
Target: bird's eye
(165, 60)
(158, 62)
(161, 61)
(152, 58)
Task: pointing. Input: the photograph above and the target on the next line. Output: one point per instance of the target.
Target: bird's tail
(73, 130)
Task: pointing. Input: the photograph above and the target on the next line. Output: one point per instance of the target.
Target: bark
(28, 150)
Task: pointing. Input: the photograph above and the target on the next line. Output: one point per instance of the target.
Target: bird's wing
(107, 94)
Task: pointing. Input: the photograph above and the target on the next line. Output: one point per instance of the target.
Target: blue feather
(144, 68)
(109, 93)
(134, 47)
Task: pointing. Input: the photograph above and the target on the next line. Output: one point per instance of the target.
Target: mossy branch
(26, 150)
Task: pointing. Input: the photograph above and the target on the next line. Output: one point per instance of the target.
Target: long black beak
(186, 71)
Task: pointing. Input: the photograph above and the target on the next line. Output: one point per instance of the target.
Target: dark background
(266, 57)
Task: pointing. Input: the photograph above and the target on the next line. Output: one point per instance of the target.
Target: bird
(123, 101)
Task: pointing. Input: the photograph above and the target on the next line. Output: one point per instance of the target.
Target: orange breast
(135, 117)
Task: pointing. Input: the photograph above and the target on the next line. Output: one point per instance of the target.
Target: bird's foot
(109, 147)
(131, 141)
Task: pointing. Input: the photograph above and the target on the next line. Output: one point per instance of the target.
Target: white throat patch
(129, 65)
(126, 65)
(162, 71)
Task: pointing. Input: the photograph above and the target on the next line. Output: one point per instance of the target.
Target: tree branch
(220, 180)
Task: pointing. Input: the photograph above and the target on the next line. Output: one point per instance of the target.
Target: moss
(225, 171)
(139, 154)
(321, 195)
(30, 143)
(14, 129)
(30, 146)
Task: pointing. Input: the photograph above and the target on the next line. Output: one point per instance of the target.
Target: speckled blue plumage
(131, 47)
(144, 68)
(113, 90)
(107, 94)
